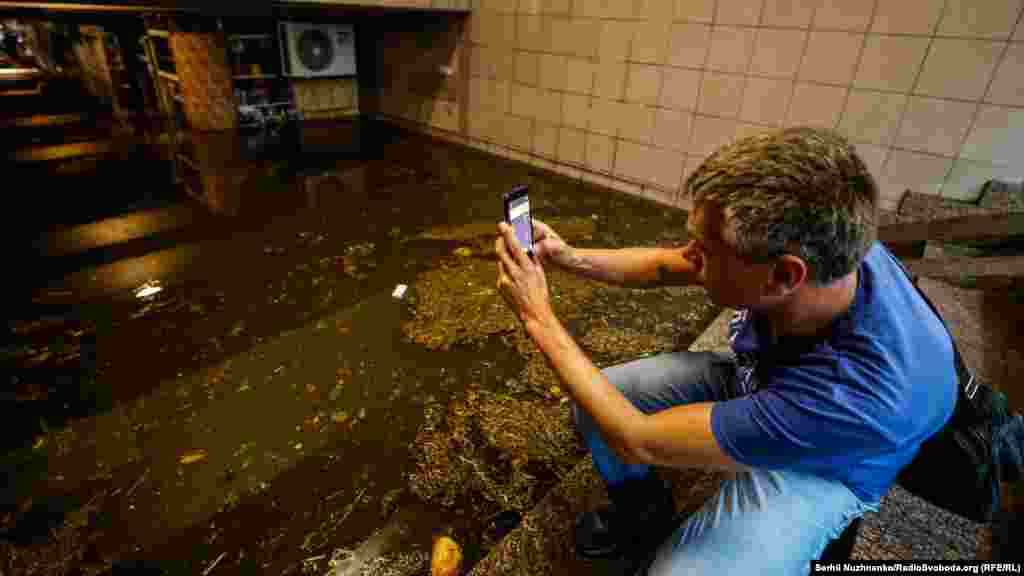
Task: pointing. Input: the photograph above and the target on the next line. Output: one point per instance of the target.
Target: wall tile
(545, 139)
(526, 70)
(710, 133)
(648, 164)
(907, 16)
(604, 116)
(529, 7)
(992, 19)
(789, 13)
(874, 157)
(532, 33)
(611, 80)
(777, 53)
(890, 62)
(481, 63)
(739, 12)
(556, 7)
(572, 145)
(475, 29)
(553, 70)
(831, 57)
(650, 42)
(549, 106)
(766, 100)
(744, 130)
(516, 132)
(489, 95)
(655, 10)
(731, 49)
(590, 8)
(679, 88)
(575, 110)
(524, 101)
(636, 122)
(721, 94)
(504, 63)
(672, 129)
(688, 45)
(1008, 85)
(600, 151)
(936, 126)
(872, 117)
(920, 173)
(643, 84)
(958, 68)
(997, 136)
(615, 38)
(575, 36)
(816, 105)
(695, 10)
(852, 15)
(889, 193)
(968, 176)
(579, 75)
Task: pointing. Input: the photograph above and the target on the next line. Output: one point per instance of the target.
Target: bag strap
(968, 383)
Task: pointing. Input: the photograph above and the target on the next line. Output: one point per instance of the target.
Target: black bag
(958, 468)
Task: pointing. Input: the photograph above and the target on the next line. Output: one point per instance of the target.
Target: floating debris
(463, 252)
(492, 446)
(446, 559)
(237, 329)
(193, 457)
(399, 291)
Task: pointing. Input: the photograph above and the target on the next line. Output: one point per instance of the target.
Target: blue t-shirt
(854, 406)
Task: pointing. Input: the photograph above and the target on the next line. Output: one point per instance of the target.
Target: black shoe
(639, 517)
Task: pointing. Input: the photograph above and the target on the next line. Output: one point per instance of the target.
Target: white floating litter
(399, 291)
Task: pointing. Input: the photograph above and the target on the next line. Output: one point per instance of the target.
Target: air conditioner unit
(317, 50)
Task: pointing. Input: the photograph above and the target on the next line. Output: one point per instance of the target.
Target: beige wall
(932, 91)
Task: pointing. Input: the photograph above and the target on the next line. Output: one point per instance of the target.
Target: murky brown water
(264, 408)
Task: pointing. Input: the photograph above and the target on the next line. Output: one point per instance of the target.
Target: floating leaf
(340, 417)
(238, 328)
(193, 457)
(463, 252)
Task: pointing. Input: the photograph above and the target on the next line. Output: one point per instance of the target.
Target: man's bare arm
(636, 267)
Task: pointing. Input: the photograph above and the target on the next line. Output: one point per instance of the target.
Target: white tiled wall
(931, 91)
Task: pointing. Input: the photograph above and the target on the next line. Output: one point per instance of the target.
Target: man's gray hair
(801, 191)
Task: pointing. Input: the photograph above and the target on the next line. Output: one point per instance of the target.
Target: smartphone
(517, 214)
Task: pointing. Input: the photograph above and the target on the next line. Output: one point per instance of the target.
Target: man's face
(729, 279)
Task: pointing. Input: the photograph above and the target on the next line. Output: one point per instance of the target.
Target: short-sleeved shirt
(853, 406)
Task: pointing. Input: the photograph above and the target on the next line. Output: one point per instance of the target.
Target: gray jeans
(760, 521)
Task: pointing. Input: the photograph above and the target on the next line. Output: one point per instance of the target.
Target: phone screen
(519, 218)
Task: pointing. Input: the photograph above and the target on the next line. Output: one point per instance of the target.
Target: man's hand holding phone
(549, 246)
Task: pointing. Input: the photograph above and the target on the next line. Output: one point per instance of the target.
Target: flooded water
(265, 408)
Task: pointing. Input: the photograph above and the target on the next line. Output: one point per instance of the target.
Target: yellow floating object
(446, 559)
(193, 457)
(463, 252)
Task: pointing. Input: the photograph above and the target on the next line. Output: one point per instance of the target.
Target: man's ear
(788, 274)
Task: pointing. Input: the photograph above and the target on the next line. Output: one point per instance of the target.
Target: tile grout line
(796, 74)
(980, 103)
(812, 82)
(911, 94)
(700, 81)
(746, 68)
(856, 68)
